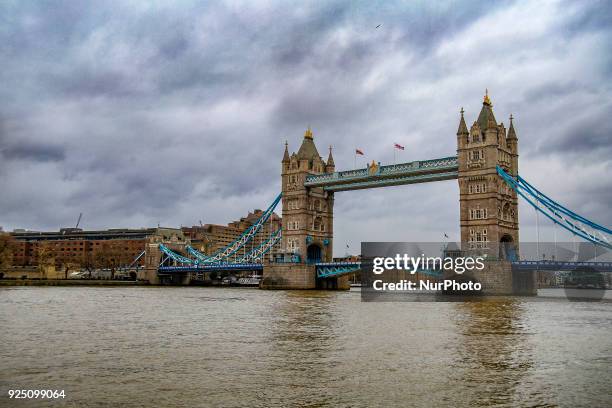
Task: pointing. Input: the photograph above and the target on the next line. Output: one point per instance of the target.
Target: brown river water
(208, 347)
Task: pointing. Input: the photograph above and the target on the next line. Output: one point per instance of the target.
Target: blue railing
(563, 265)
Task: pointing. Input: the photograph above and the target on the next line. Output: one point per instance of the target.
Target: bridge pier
(299, 276)
(499, 278)
(172, 238)
(289, 276)
(152, 257)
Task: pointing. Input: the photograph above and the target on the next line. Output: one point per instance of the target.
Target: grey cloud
(138, 113)
(34, 152)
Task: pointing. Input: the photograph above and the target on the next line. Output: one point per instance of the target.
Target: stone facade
(289, 276)
(307, 212)
(488, 206)
(499, 279)
(175, 241)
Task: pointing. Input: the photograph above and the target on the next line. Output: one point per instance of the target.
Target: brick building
(81, 248)
(210, 238)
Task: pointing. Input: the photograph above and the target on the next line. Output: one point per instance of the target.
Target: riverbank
(69, 282)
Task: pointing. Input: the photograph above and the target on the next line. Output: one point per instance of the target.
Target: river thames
(201, 347)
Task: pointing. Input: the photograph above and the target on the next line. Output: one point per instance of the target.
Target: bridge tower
(488, 207)
(307, 212)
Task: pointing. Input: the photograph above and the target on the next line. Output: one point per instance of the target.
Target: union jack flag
(357, 151)
(398, 146)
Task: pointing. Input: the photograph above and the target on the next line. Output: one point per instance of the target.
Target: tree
(110, 256)
(7, 244)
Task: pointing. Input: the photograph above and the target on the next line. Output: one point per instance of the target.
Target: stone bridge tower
(488, 206)
(307, 212)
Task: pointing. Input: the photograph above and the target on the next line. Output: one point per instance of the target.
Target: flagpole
(355, 164)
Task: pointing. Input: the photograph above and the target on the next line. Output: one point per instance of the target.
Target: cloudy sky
(139, 113)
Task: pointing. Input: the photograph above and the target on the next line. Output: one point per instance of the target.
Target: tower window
(317, 224)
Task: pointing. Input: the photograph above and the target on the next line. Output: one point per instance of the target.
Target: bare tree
(110, 255)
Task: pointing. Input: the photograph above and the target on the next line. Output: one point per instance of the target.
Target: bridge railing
(564, 265)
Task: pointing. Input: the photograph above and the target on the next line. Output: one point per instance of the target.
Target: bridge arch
(507, 248)
(313, 253)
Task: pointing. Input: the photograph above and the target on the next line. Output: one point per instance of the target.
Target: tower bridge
(485, 167)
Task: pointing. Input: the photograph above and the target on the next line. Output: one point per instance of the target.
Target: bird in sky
(378, 25)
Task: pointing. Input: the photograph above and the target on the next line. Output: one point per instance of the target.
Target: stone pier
(299, 276)
(499, 279)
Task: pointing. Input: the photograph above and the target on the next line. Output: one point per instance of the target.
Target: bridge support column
(488, 207)
(339, 283)
(499, 279)
(300, 276)
(289, 276)
(308, 213)
(152, 257)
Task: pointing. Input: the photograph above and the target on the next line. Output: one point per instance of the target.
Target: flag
(445, 236)
(357, 151)
(398, 146)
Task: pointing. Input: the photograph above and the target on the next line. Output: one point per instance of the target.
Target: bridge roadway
(562, 266)
(210, 267)
(335, 269)
(421, 171)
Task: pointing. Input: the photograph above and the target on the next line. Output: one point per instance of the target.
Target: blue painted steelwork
(545, 199)
(255, 254)
(262, 249)
(245, 238)
(176, 257)
(211, 267)
(335, 269)
(137, 259)
(422, 171)
(196, 254)
(396, 181)
(557, 213)
(562, 266)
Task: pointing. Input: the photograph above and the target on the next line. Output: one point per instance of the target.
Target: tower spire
(286, 155)
(486, 119)
(511, 131)
(330, 158)
(462, 126)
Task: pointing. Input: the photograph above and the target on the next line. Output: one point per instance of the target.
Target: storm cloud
(141, 113)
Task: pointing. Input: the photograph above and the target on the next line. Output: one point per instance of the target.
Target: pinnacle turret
(330, 166)
(463, 130)
(511, 131)
(286, 155)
